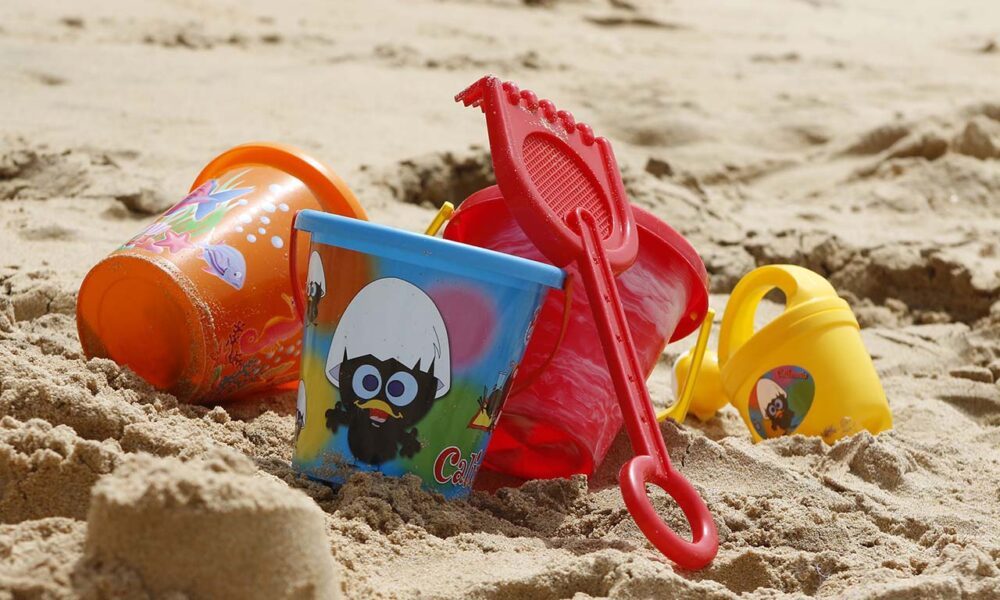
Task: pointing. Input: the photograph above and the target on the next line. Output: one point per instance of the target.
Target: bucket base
(530, 449)
(134, 313)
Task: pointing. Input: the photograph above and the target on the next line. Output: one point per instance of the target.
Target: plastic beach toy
(199, 302)
(413, 347)
(807, 371)
(443, 214)
(563, 186)
(703, 385)
(564, 420)
(696, 374)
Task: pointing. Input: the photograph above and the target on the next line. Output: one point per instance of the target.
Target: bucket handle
(443, 214)
(679, 410)
(798, 284)
(298, 301)
(529, 379)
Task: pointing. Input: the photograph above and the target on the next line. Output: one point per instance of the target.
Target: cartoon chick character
(390, 359)
(776, 407)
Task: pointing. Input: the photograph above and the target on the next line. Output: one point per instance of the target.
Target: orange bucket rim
(330, 190)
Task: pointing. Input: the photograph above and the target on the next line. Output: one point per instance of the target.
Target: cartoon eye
(775, 407)
(401, 389)
(366, 382)
(237, 274)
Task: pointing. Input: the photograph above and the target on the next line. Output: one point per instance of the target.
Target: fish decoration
(206, 199)
(226, 263)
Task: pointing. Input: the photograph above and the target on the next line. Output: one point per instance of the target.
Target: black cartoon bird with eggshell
(390, 359)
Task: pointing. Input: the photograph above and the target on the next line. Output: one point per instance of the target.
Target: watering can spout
(707, 396)
(697, 382)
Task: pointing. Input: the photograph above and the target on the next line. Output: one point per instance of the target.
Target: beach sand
(859, 139)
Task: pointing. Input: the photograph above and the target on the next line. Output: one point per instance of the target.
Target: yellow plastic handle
(798, 284)
(443, 214)
(679, 410)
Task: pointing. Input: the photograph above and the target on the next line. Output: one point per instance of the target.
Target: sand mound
(39, 557)
(48, 471)
(37, 173)
(210, 528)
(438, 177)
(980, 138)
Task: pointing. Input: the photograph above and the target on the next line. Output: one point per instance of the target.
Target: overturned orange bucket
(198, 303)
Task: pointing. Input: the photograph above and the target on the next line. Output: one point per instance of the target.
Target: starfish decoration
(146, 243)
(174, 242)
(156, 229)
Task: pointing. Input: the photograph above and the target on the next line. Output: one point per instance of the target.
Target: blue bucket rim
(446, 255)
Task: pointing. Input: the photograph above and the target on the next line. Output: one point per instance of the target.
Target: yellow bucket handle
(443, 214)
(679, 410)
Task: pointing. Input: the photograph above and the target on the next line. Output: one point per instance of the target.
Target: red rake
(563, 186)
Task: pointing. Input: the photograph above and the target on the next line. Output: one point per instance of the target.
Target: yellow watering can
(807, 371)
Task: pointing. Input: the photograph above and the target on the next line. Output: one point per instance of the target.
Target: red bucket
(566, 419)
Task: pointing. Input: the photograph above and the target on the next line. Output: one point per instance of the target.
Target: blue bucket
(410, 347)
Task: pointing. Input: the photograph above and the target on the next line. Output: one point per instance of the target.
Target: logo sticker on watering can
(780, 400)
(407, 358)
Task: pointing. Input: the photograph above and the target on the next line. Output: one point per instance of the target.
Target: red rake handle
(651, 463)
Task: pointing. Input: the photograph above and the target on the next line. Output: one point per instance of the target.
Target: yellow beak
(375, 403)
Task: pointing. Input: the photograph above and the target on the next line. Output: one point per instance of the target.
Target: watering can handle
(679, 410)
(798, 284)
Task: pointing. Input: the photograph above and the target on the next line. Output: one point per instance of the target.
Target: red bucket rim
(697, 305)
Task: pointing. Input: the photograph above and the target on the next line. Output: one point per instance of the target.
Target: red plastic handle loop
(704, 544)
(528, 380)
(298, 298)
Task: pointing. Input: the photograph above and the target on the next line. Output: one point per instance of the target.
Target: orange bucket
(198, 303)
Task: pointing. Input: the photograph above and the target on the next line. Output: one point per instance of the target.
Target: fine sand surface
(860, 139)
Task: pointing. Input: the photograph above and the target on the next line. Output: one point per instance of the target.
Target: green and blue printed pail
(410, 346)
